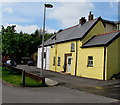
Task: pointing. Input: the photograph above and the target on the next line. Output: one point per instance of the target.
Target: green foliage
(17, 45)
(15, 78)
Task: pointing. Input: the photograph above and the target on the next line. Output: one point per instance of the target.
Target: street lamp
(45, 6)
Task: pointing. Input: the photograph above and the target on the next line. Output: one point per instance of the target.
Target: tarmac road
(110, 88)
(56, 94)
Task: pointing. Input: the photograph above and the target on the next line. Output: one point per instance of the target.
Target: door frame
(65, 60)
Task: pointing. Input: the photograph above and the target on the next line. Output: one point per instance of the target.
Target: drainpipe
(104, 71)
(76, 57)
(45, 57)
(55, 56)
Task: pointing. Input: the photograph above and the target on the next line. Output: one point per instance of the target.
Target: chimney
(82, 21)
(90, 16)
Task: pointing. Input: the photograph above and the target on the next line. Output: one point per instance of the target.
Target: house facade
(89, 49)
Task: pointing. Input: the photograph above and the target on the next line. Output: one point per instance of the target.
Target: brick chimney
(90, 16)
(82, 21)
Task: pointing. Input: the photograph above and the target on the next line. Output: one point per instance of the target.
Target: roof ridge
(91, 20)
(71, 27)
(108, 33)
(78, 24)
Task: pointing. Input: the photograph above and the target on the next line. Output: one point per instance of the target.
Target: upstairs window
(90, 61)
(58, 61)
(72, 47)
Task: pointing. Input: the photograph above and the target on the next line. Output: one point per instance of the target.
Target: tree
(18, 45)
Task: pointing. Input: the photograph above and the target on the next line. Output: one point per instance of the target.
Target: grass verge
(15, 79)
(0, 72)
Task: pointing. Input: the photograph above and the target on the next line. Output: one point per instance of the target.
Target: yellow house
(89, 49)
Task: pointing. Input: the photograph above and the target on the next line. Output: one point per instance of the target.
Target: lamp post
(45, 6)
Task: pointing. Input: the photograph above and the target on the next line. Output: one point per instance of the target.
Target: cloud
(59, 0)
(8, 10)
(29, 28)
(24, 12)
(50, 30)
(68, 13)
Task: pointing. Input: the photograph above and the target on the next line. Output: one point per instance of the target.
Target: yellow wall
(82, 70)
(97, 70)
(52, 54)
(98, 62)
(62, 49)
(113, 56)
(97, 29)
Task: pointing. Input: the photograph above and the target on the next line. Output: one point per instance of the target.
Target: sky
(28, 16)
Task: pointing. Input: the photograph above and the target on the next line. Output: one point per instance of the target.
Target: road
(110, 88)
(56, 94)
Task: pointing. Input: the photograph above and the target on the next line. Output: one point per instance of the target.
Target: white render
(46, 62)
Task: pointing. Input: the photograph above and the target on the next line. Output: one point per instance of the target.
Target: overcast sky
(28, 16)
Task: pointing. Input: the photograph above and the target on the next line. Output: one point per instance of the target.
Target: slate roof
(76, 32)
(102, 39)
(72, 33)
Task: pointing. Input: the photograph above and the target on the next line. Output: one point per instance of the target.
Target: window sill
(72, 51)
(89, 65)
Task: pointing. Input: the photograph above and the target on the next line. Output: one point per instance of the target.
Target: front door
(69, 63)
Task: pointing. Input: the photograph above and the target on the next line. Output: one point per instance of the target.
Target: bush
(115, 76)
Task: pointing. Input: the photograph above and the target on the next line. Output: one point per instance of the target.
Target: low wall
(28, 74)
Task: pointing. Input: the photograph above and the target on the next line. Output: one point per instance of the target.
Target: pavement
(50, 82)
(62, 78)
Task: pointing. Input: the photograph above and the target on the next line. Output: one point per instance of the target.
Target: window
(58, 61)
(44, 55)
(53, 61)
(90, 61)
(72, 47)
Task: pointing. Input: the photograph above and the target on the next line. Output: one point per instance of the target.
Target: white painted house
(46, 61)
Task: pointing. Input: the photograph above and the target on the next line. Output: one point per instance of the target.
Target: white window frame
(59, 60)
(72, 47)
(54, 61)
(90, 61)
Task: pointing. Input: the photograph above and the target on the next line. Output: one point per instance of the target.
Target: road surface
(55, 94)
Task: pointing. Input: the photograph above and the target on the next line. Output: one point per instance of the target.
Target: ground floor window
(44, 55)
(53, 61)
(58, 61)
(90, 61)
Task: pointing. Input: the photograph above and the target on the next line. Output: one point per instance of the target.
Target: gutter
(104, 71)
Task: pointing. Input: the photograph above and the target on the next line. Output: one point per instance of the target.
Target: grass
(0, 72)
(15, 78)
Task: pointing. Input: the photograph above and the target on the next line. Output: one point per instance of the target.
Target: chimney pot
(90, 16)
(82, 20)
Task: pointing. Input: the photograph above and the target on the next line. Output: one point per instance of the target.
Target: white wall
(48, 57)
(39, 58)
(46, 62)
